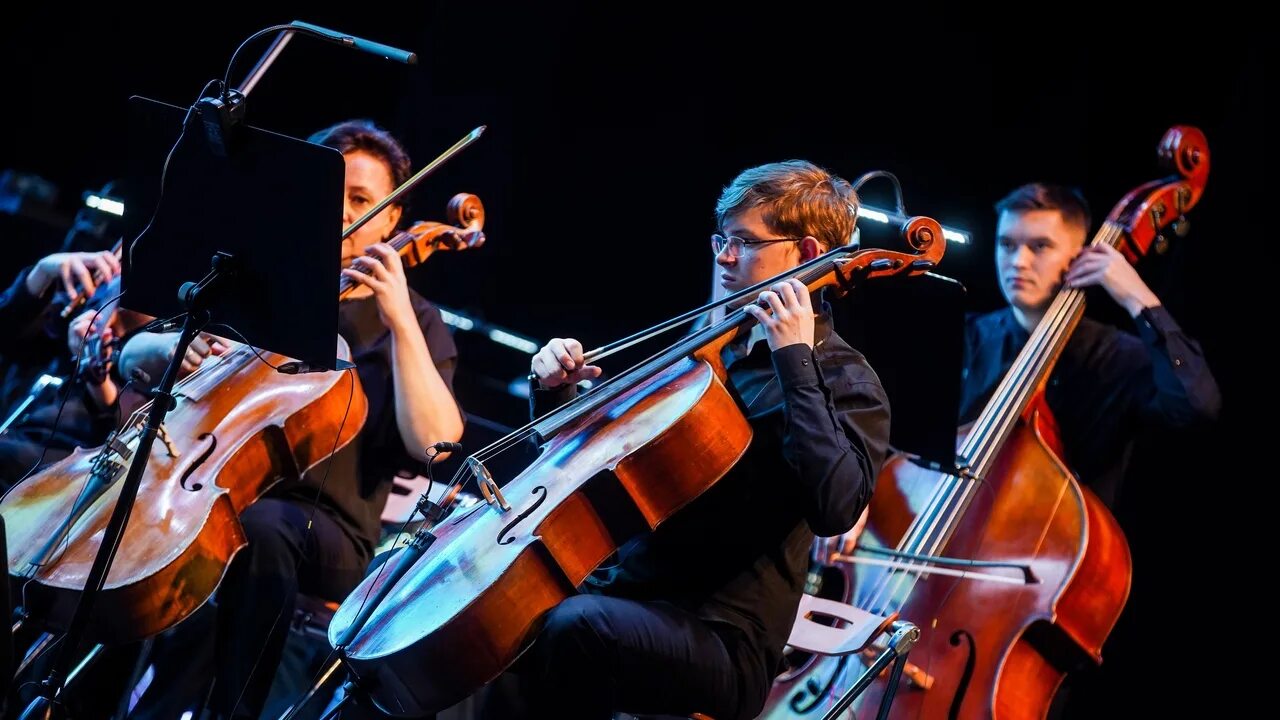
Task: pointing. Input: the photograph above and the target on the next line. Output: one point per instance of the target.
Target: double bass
(1013, 571)
(238, 426)
(450, 612)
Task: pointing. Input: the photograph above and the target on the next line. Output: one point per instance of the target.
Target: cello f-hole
(502, 536)
(210, 444)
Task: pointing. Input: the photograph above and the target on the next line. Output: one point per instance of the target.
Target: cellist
(693, 617)
(405, 358)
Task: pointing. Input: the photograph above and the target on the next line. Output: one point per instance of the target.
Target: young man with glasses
(693, 617)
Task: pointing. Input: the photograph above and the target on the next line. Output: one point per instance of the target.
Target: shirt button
(1177, 362)
(805, 362)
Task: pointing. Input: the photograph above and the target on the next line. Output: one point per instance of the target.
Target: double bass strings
(925, 535)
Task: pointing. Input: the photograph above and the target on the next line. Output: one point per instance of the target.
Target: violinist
(29, 295)
(405, 359)
(694, 616)
(48, 429)
(33, 337)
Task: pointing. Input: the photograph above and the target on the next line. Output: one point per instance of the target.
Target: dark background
(611, 132)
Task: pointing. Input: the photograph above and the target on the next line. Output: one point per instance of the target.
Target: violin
(625, 457)
(1013, 570)
(99, 346)
(237, 427)
(424, 238)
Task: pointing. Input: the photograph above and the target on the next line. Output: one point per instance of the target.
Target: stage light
(513, 341)
(105, 204)
(886, 217)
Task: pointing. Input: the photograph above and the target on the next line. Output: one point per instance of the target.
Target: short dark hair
(1068, 201)
(796, 198)
(353, 135)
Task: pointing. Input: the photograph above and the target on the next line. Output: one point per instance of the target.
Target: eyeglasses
(733, 245)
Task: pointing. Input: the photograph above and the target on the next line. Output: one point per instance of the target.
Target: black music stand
(245, 234)
(274, 204)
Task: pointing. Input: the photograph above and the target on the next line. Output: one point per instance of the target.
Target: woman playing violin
(405, 358)
(694, 616)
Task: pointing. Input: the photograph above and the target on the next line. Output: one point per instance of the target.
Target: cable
(897, 186)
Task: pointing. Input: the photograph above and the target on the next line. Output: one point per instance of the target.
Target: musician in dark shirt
(1107, 386)
(79, 410)
(34, 342)
(693, 617)
(29, 295)
(1108, 383)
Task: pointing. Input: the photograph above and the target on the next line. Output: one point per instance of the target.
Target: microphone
(386, 51)
(446, 447)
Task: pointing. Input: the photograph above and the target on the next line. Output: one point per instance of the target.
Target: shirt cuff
(1155, 324)
(796, 365)
(21, 296)
(560, 393)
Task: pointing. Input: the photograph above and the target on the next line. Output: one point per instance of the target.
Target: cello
(1013, 571)
(616, 462)
(238, 426)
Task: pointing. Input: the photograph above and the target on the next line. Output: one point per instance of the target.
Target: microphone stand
(196, 297)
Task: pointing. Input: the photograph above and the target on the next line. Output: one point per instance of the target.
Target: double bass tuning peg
(1182, 199)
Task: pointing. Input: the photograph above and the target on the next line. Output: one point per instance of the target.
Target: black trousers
(255, 606)
(597, 655)
(257, 598)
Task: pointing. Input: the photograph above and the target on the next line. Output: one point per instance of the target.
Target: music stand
(245, 234)
(274, 204)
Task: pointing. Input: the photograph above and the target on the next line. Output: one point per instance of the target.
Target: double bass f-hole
(966, 676)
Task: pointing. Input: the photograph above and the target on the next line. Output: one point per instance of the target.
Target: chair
(309, 639)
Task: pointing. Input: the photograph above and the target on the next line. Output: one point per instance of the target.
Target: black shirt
(18, 308)
(738, 555)
(29, 340)
(52, 428)
(1106, 384)
(359, 478)
(32, 340)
